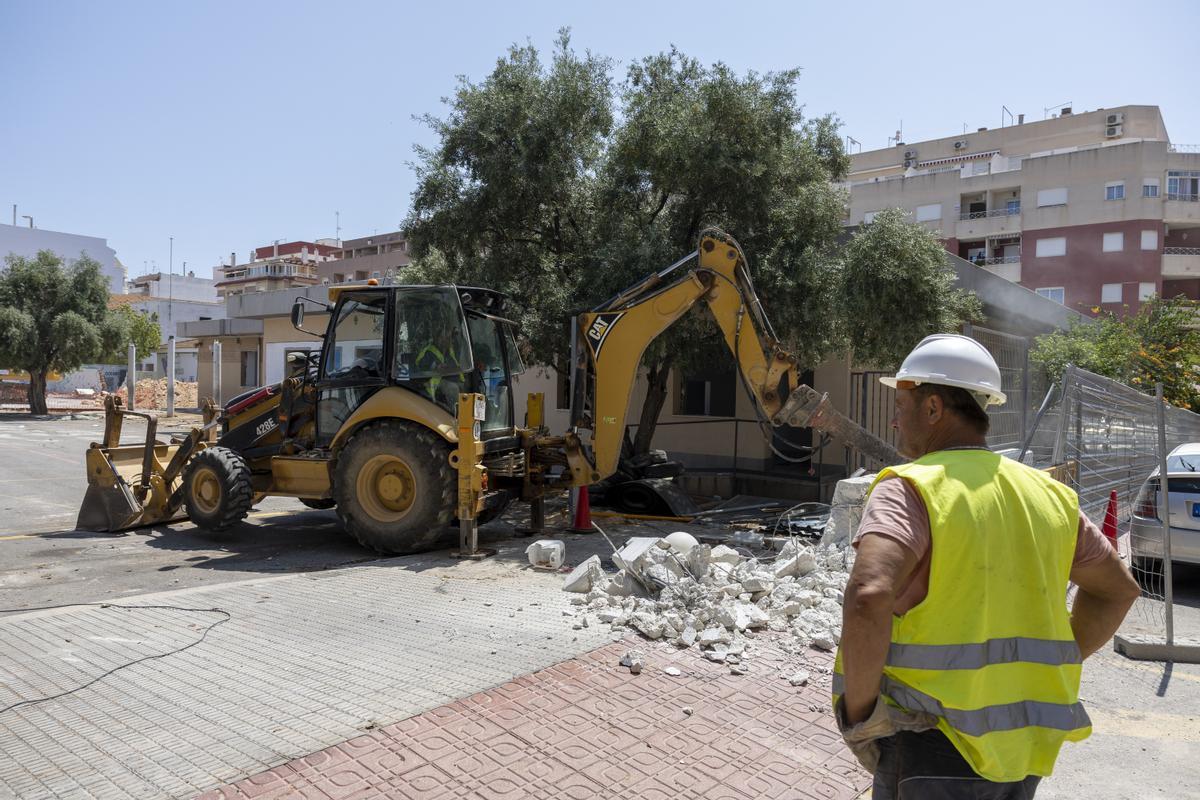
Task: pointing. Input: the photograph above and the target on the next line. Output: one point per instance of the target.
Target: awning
(957, 159)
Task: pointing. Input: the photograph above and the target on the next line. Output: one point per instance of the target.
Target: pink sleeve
(895, 510)
(1091, 546)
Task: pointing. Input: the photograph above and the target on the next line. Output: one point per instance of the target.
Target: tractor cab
(435, 341)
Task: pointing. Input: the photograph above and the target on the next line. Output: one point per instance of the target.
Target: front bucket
(108, 508)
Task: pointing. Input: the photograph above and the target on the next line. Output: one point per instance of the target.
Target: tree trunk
(37, 393)
(656, 396)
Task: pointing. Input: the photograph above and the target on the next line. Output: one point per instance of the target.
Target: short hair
(958, 400)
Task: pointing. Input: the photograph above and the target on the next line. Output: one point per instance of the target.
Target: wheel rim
(206, 490)
(386, 488)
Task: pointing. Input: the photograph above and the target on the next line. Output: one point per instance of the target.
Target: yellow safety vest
(990, 651)
(435, 380)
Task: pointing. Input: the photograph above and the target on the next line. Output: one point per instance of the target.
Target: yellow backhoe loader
(404, 419)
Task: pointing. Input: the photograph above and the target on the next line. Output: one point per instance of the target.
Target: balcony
(1181, 262)
(1007, 267)
(989, 224)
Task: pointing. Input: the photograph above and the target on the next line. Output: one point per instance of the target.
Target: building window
(1114, 242)
(1150, 187)
(1146, 291)
(1013, 207)
(249, 368)
(1149, 240)
(1054, 246)
(1183, 184)
(1114, 190)
(929, 213)
(869, 217)
(711, 395)
(1110, 293)
(1052, 197)
(1055, 293)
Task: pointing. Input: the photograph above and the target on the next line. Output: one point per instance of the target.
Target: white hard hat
(948, 359)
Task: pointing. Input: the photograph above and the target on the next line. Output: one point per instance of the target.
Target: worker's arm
(881, 567)
(1106, 593)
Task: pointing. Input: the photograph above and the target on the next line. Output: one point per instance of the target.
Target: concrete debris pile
(152, 393)
(716, 598)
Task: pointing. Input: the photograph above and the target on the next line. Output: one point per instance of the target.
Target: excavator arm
(614, 337)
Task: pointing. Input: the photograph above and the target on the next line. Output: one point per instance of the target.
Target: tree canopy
(558, 185)
(54, 317)
(1157, 344)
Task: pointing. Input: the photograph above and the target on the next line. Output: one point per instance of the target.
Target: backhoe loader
(404, 419)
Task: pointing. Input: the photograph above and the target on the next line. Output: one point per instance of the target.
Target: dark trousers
(925, 766)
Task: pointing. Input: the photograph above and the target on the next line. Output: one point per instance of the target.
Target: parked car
(1183, 490)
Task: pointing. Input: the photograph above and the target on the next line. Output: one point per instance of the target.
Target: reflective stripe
(981, 654)
(989, 719)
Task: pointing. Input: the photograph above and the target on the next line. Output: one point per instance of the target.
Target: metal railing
(995, 212)
(1187, 198)
(1181, 251)
(991, 262)
(1184, 148)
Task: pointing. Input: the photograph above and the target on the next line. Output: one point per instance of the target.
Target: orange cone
(583, 513)
(1109, 528)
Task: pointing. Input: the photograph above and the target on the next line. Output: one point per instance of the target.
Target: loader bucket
(130, 486)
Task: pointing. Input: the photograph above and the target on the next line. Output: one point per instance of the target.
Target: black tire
(394, 487)
(490, 514)
(216, 489)
(318, 503)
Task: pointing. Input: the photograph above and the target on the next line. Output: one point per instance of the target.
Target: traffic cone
(583, 513)
(1110, 520)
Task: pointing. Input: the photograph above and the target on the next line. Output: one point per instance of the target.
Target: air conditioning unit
(960, 144)
(1114, 119)
(1112, 131)
(910, 153)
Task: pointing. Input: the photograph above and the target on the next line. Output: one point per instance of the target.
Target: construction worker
(436, 359)
(958, 669)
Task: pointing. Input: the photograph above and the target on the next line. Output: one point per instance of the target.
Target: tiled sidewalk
(586, 728)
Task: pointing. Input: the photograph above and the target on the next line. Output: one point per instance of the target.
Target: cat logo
(601, 326)
(265, 427)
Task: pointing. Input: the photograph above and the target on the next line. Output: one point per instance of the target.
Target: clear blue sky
(230, 124)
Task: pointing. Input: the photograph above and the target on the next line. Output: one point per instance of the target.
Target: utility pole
(171, 290)
(337, 216)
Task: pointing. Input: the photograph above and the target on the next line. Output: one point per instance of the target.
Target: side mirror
(298, 314)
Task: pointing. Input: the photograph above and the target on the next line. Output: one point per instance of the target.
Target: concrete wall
(28, 241)
(179, 287)
(232, 348)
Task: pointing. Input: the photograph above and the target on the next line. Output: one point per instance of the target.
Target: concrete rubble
(717, 598)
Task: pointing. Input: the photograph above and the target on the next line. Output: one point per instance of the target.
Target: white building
(175, 299)
(27, 242)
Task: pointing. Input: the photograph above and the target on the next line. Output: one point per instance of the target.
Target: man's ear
(934, 408)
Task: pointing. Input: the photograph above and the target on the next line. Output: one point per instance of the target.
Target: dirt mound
(152, 393)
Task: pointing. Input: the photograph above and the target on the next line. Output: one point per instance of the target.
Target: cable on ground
(204, 634)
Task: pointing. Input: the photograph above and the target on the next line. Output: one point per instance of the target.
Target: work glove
(884, 720)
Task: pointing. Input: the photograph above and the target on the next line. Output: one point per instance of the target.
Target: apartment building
(368, 257)
(1092, 210)
(276, 266)
(27, 241)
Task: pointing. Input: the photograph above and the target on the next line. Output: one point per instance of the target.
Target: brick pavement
(586, 728)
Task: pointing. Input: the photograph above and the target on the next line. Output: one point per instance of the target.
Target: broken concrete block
(674, 672)
(546, 553)
(584, 577)
(799, 678)
(688, 711)
(737, 670)
(634, 549)
(688, 636)
(714, 636)
(846, 507)
(724, 555)
(824, 641)
(647, 624)
(622, 585)
(635, 660)
(717, 654)
(740, 616)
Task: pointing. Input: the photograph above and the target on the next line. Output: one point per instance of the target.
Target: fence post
(216, 350)
(1165, 483)
(131, 377)
(170, 376)
(1060, 443)
(1024, 388)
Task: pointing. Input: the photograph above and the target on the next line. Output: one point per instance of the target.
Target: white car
(1183, 489)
